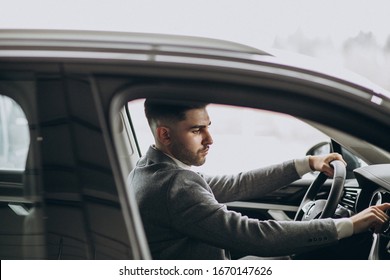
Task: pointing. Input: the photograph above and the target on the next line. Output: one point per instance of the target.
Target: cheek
(181, 139)
(192, 139)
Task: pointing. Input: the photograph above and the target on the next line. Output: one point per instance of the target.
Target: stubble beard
(188, 157)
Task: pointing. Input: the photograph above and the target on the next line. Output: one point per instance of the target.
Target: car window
(14, 135)
(244, 138)
(20, 218)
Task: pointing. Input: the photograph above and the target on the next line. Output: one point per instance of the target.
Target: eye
(196, 131)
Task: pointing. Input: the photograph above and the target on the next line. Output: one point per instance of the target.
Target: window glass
(14, 135)
(244, 138)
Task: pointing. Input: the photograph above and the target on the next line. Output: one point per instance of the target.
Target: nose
(207, 140)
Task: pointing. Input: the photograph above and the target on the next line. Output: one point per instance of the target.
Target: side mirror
(325, 148)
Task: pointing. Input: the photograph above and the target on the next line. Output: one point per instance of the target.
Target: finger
(328, 170)
(329, 173)
(383, 206)
(337, 156)
(379, 218)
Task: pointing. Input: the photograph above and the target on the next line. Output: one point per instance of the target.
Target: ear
(163, 135)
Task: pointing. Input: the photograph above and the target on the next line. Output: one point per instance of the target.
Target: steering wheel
(323, 208)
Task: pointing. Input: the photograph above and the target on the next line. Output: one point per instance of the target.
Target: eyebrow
(200, 126)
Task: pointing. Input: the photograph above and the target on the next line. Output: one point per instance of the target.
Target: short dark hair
(157, 109)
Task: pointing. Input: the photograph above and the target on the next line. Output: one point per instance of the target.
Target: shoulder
(186, 177)
(187, 183)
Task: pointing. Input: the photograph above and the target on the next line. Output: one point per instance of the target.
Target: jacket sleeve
(195, 212)
(252, 184)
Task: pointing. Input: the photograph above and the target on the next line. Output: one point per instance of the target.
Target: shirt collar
(178, 162)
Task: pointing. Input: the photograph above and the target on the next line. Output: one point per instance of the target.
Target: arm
(259, 182)
(195, 213)
(252, 184)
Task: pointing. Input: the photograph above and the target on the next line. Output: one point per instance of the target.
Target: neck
(178, 162)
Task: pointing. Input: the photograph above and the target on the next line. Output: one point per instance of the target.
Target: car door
(58, 192)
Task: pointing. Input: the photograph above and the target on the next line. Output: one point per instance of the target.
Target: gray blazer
(184, 216)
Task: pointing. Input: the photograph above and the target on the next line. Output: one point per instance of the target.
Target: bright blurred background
(353, 34)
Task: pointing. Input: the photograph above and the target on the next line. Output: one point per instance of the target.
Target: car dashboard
(371, 187)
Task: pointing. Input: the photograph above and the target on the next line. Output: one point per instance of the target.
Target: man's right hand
(372, 218)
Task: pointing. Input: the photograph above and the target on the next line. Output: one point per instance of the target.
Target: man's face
(190, 138)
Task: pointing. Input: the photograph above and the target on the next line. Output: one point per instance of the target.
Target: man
(183, 212)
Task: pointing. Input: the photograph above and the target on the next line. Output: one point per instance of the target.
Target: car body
(71, 200)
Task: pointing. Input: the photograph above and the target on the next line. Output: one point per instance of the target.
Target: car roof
(107, 44)
(119, 41)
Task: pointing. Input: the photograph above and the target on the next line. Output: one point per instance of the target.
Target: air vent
(349, 198)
